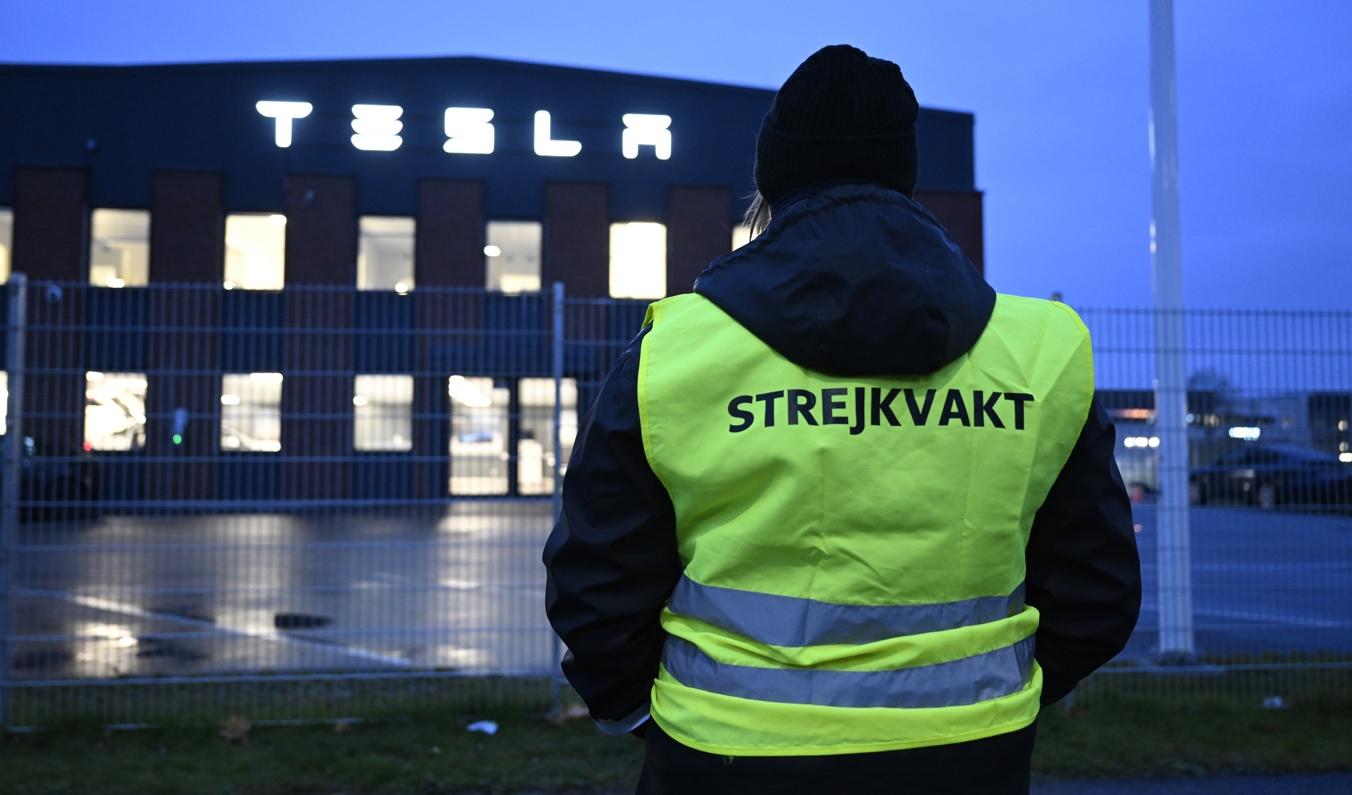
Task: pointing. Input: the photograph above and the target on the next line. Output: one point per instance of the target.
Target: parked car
(1272, 475)
(55, 486)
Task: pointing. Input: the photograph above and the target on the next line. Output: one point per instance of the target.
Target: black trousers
(997, 765)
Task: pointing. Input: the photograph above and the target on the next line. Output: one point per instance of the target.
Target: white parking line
(128, 609)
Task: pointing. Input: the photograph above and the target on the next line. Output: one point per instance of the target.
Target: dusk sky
(1059, 89)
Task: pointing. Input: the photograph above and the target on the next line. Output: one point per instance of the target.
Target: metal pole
(13, 465)
(556, 349)
(1174, 535)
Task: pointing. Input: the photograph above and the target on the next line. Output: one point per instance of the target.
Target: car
(1273, 475)
(55, 486)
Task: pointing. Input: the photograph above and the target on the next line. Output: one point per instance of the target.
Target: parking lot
(1264, 582)
(452, 588)
(460, 588)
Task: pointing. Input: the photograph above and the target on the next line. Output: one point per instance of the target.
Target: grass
(1138, 736)
(426, 753)
(428, 750)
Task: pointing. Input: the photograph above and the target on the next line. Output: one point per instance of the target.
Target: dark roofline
(309, 64)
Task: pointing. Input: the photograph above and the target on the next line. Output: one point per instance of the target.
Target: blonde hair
(757, 215)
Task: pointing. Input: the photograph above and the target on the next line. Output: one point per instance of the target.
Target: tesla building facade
(320, 272)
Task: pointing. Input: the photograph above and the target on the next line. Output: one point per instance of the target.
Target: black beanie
(840, 115)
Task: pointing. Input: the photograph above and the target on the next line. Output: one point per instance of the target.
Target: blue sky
(1059, 90)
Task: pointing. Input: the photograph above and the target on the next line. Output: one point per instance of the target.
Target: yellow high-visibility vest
(853, 546)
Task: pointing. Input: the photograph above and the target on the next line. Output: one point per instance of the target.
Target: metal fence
(325, 502)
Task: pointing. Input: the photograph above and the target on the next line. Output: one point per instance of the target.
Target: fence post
(1173, 551)
(556, 350)
(13, 463)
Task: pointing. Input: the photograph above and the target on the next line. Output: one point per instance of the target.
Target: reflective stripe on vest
(793, 621)
(955, 683)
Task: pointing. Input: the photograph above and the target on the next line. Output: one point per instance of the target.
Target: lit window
(535, 451)
(255, 251)
(512, 256)
(251, 412)
(383, 412)
(115, 411)
(741, 235)
(478, 436)
(119, 248)
(638, 260)
(4, 400)
(385, 253)
(6, 241)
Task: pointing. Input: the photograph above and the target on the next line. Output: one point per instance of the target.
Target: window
(251, 412)
(255, 251)
(638, 260)
(119, 248)
(385, 253)
(535, 450)
(6, 242)
(741, 235)
(4, 401)
(383, 408)
(115, 411)
(512, 256)
(478, 435)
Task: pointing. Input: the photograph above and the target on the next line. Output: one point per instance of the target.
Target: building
(305, 211)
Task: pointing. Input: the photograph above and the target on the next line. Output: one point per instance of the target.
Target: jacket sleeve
(611, 560)
(1083, 570)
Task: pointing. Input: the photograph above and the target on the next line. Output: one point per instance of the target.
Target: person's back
(832, 489)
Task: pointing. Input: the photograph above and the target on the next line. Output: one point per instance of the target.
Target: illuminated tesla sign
(469, 131)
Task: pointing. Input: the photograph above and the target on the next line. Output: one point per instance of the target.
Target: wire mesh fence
(324, 502)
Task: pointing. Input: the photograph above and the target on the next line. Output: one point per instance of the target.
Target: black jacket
(848, 279)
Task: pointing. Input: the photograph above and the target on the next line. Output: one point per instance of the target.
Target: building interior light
(255, 251)
(401, 288)
(1141, 441)
(467, 393)
(359, 400)
(1247, 433)
(1346, 458)
(229, 400)
(638, 259)
(491, 250)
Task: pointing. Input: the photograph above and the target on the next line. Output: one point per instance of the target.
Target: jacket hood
(854, 279)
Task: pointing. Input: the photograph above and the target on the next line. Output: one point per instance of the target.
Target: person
(843, 518)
